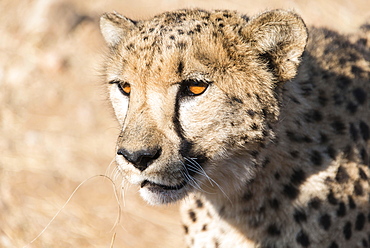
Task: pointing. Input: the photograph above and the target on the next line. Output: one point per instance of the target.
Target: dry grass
(57, 129)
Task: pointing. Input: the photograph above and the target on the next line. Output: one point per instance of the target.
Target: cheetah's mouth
(155, 187)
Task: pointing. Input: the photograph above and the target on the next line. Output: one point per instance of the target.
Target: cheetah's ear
(114, 26)
(280, 37)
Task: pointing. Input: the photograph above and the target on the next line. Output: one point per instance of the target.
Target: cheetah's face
(194, 93)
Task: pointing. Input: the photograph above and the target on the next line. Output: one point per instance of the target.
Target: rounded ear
(280, 37)
(114, 27)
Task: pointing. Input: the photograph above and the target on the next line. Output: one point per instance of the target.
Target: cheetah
(259, 126)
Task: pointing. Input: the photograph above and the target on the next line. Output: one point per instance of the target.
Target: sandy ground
(57, 129)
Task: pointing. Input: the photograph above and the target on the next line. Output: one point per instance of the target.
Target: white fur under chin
(162, 197)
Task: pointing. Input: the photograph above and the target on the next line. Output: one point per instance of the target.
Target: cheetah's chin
(156, 194)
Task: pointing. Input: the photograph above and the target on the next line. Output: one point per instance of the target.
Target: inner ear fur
(114, 27)
(280, 37)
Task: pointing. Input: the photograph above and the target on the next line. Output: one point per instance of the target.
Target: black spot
(180, 31)
(192, 215)
(343, 82)
(356, 70)
(353, 56)
(236, 99)
(198, 28)
(254, 126)
(247, 196)
(273, 230)
(277, 176)
(258, 97)
(347, 230)
(204, 228)
(342, 175)
(316, 158)
(251, 113)
(264, 111)
(298, 137)
(351, 202)
(303, 239)
(314, 203)
(331, 152)
(295, 100)
(145, 38)
(323, 100)
(358, 190)
(261, 210)
(274, 203)
(338, 99)
(353, 131)
(325, 221)
(306, 89)
(180, 68)
(300, 216)
(365, 244)
(323, 138)
(341, 211)
(217, 245)
(254, 153)
(360, 222)
(172, 37)
(348, 152)
(130, 46)
(333, 245)
(181, 45)
(265, 162)
(199, 203)
(294, 154)
(362, 174)
(331, 198)
(338, 126)
(351, 107)
(186, 229)
(313, 116)
(265, 133)
(364, 156)
(298, 177)
(364, 129)
(291, 191)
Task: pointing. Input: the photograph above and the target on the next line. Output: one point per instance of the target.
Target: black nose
(140, 159)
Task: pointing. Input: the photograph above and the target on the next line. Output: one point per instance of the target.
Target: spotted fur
(273, 153)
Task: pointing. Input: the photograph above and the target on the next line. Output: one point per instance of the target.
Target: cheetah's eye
(125, 88)
(195, 88)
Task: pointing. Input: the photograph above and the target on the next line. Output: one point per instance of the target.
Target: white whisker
(197, 168)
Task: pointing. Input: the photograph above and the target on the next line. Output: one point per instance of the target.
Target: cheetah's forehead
(167, 41)
(179, 27)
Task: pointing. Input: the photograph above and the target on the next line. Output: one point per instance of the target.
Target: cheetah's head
(195, 93)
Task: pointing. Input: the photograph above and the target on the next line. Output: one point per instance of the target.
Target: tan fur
(274, 153)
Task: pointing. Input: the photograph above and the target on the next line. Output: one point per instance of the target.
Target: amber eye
(195, 88)
(125, 88)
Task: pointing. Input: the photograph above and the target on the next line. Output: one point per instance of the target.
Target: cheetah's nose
(140, 159)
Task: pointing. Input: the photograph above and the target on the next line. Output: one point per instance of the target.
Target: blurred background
(57, 128)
